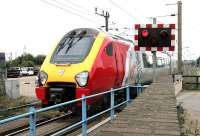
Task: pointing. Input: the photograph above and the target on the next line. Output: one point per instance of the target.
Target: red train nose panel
(41, 93)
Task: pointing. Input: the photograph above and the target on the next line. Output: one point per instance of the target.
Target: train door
(105, 68)
(119, 60)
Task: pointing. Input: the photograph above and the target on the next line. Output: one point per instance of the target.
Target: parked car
(13, 72)
(36, 70)
(27, 71)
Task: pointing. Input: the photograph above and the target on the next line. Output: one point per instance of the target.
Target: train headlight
(41, 78)
(82, 78)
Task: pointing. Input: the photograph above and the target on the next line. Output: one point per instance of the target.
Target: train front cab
(65, 73)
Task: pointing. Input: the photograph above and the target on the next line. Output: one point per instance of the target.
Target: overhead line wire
(125, 11)
(77, 5)
(69, 11)
(72, 7)
(62, 4)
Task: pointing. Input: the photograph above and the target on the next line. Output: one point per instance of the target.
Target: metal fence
(32, 111)
(191, 82)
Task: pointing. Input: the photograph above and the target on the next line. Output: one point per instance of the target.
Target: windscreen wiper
(69, 38)
(71, 41)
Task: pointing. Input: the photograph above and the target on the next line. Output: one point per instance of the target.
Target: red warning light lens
(145, 33)
(164, 34)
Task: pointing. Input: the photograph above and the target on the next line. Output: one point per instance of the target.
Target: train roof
(95, 32)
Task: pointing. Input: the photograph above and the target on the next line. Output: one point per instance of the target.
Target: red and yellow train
(85, 62)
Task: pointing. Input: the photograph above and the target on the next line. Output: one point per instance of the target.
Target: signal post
(154, 58)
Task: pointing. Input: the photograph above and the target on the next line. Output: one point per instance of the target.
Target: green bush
(26, 60)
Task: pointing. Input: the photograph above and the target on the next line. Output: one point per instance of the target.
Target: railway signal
(155, 37)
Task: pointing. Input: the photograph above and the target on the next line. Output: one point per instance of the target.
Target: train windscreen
(73, 48)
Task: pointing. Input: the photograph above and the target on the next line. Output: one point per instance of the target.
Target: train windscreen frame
(74, 46)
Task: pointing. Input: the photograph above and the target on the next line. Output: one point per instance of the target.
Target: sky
(35, 26)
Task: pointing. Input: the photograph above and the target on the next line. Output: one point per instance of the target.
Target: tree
(26, 60)
(16, 62)
(27, 57)
(27, 63)
(39, 59)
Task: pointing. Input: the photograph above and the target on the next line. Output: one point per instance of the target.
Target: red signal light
(164, 34)
(145, 34)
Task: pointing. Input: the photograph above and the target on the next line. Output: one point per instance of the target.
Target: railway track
(54, 127)
(35, 104)
(23, 129)
(51, 126)
(48, 127)
(12, 111)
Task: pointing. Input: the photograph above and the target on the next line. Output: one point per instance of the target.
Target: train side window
(109, 49)
(148, 63)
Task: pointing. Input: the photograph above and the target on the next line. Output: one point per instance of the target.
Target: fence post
(32, 122)
(112, 101)
(138, 89)
(84, 116)
(173, 77)
(128, 94)
(197, 82)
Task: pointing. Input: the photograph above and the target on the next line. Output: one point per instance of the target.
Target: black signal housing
(154, 37)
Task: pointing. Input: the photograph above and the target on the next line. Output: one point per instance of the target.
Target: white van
(27, 71)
